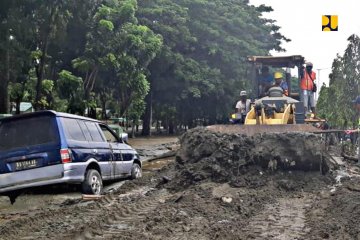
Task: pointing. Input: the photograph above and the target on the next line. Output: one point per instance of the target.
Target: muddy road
(53, 196)
(186, 198)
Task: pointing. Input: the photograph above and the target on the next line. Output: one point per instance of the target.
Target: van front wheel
(92, 183)
(136, 171)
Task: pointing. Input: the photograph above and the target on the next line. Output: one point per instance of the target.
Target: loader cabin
(257, 63)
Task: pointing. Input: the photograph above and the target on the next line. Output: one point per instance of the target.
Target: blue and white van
(48, 147)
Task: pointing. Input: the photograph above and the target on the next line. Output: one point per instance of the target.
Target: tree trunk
(158, 127)
(171, 127)
(90, 81)
(103, 103)
(40, 74)
(147, 116)
(103, 112)
(18, 101)
(40, 69)
(92, 113)
(213, 115)
(133, 129)
(4, 82)
(165, 123)
(3, 95)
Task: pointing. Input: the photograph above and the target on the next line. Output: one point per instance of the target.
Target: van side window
(94, 132)
(72, 129)
(108, 134)
(85, 130)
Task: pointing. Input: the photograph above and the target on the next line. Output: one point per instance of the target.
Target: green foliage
(335, 101)
(36, 55)
(68, 84)
(136, 108)
(295, 84)
(80, 64)
(17, 92)
(202, 65)
(47, 86)
(115, 60)
(45, 101)
(190, 54)
(106, 24)
(70, 88)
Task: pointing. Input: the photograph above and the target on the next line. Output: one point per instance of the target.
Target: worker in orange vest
(308, 87)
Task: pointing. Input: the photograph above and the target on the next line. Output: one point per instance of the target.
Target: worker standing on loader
(308, 88)
(243, 106)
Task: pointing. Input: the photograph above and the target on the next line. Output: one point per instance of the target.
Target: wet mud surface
(208, 193)
(148, 148)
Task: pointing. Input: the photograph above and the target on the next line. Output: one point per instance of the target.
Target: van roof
(47, 113)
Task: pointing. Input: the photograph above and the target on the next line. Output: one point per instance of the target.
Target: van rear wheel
(93, 183)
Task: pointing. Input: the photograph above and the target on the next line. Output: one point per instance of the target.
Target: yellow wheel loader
(276, 108)
(275, 124)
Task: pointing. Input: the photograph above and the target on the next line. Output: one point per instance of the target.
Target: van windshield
(27, 132)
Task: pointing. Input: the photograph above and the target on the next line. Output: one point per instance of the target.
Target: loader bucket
(250, 130)
(272, 147)
(289, 147)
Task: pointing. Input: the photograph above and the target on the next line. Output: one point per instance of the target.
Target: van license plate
(26, 164)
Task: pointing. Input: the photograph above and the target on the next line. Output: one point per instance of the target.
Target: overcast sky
(301, 22)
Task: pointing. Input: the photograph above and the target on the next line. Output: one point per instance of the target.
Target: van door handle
(95, 151)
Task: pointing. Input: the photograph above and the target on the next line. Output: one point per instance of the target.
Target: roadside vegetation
(335, 100)
(180, 60)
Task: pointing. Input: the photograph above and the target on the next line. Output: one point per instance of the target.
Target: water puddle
(157, 164)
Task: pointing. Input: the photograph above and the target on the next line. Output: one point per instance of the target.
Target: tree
(118, 51)
(70, 88)
(50, 18)
(183, 61)
(202, 65)
(17, 94)
(343, 87)
(15, 46)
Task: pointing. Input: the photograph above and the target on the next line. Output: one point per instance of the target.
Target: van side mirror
(124, 137)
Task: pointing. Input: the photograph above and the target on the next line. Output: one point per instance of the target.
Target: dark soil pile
(219, 157)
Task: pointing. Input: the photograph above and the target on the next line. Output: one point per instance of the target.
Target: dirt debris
(207, 154)
(220, 187)
(336, 214)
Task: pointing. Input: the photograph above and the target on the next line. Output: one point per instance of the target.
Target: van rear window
(27, 132)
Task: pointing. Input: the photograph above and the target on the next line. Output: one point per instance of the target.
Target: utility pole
(319, 82)
(358, 128)
(358, 123)
(358, 139)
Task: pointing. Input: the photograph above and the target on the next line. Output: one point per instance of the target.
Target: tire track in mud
(103, 219)
(285, 219)
(122, 218)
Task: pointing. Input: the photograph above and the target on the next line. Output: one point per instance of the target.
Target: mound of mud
(223, 157)
(221, 186)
